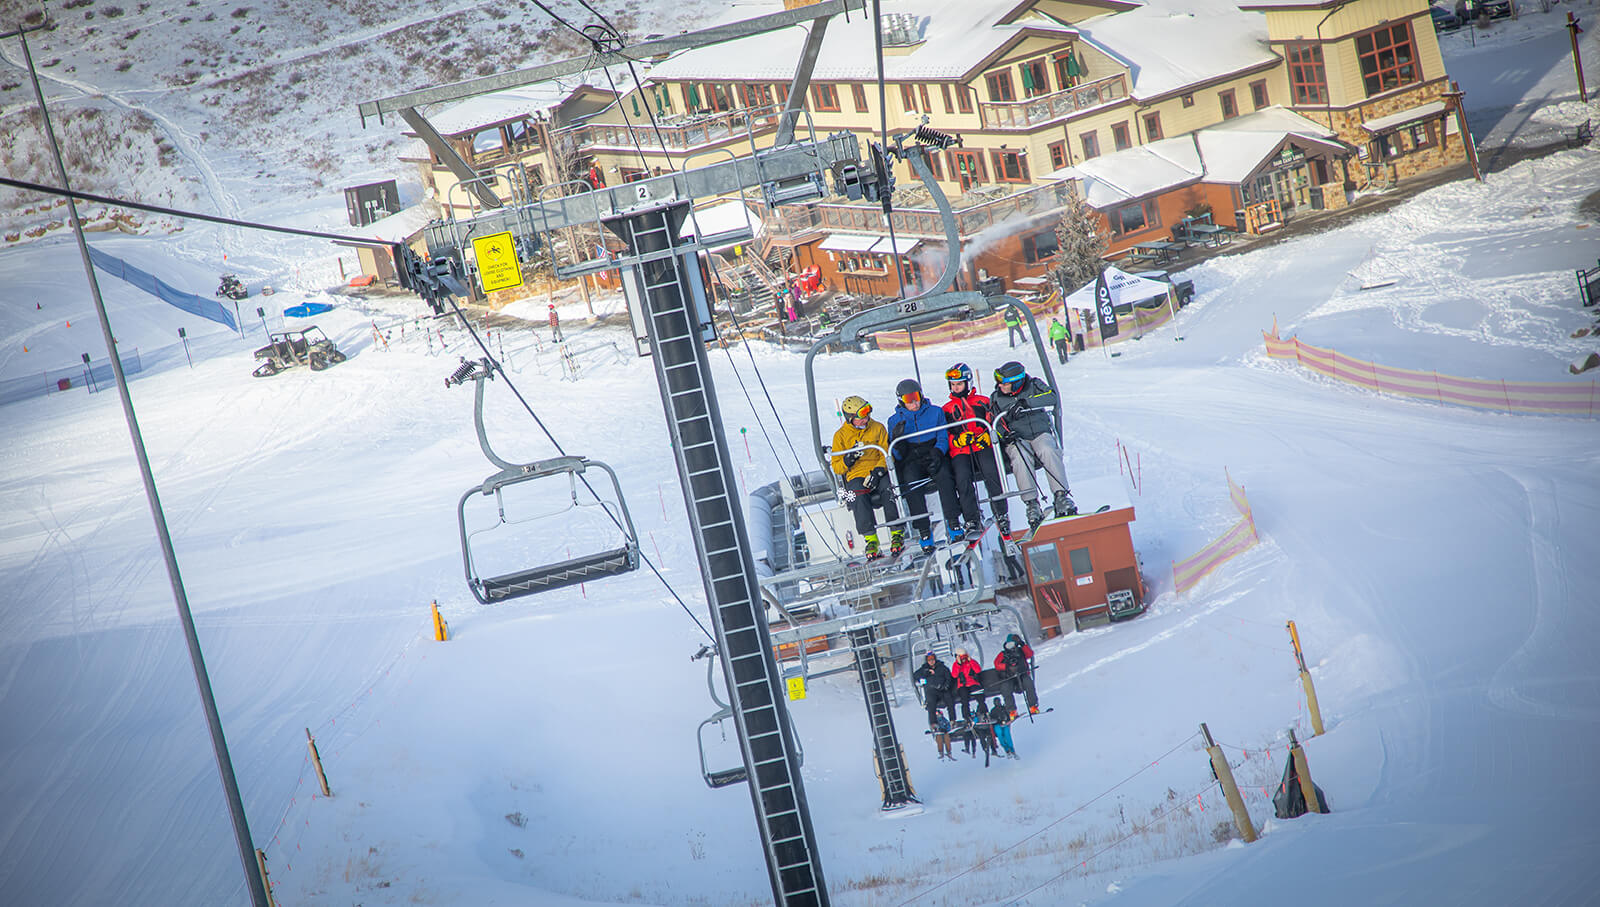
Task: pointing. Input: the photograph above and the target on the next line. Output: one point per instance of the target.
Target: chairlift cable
(637, 84)
(883, 121)
(495, 363)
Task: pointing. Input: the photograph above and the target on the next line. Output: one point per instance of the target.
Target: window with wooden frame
(1063, 75)
(1058, 154)
(1258, 94)
(1000, 86)
(1035, 78)
(1037, 247)
(1230, 104)
(716, 96)
(1308, 79)
(967, 167)
(908, 98)
(1387, 57)
(755, 94)
(1010, 166)
(945, 90)
(963, 99)
(936, 166)
(1090, 143)
(1145, 215)
(858, 94)
(825, 97)
(1152, 127)
(1119, 137)
(927, 105)
(1188, 100)
(1423, 135)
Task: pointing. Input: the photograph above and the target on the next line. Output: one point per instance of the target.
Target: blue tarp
(307, 309)
(194, 305)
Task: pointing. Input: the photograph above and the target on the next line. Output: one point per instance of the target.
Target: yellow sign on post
(497, 262)
(797, 687)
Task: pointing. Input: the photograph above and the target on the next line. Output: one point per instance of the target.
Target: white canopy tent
(1125, 288)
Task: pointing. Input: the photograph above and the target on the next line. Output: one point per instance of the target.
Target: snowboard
(1021, 537)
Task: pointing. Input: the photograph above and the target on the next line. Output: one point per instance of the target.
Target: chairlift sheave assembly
(488, 589)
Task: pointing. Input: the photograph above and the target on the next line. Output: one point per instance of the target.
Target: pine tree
(1079, 245)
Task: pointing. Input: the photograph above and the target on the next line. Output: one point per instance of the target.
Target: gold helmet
(855, 407)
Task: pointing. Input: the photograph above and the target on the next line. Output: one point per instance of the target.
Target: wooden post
(1307, 789)
(316, 760)
(266, 883)
(1230, 790)
(1305, 681)
(441, 629)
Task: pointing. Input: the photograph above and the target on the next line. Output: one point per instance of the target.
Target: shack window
(1045, 563)
(1080, 562)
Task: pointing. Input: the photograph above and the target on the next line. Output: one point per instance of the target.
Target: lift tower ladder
(669, 277)
(886, 751)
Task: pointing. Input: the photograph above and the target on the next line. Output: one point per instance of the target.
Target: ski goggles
(955, 375)
(863, 412)
(913, 397)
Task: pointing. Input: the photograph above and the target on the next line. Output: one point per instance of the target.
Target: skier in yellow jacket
(866, 475)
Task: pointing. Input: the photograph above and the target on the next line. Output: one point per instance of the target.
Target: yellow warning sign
(797, 687)
(497, 262)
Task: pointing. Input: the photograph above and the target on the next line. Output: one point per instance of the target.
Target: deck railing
(1034, 111)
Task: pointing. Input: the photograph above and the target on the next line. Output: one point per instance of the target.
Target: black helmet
(908, 388)
(1011, 371)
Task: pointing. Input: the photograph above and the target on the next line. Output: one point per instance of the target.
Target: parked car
(1467, 10)
(1185, 289)
(1443, 19)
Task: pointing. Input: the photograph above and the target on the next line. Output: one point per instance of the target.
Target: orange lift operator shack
(1082, 570)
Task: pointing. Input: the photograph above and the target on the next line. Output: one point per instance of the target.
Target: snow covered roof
(1409, 115)
(848, 242)
(524, 100)
(1225, 153)
(720, 218)
(397, 227)
(1170, 44)
(959, 36)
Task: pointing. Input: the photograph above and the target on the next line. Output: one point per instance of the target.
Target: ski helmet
(908, 390)
(960, 652)
(1011, 643)
(855, 407)
(959, 372)
(1011, 372)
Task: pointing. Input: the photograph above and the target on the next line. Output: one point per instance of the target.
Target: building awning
(1406, 117)
(849, 242)
(898, 246)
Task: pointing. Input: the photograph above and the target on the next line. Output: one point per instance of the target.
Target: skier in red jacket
(971, 450)
(966, 669)
(1015, 664)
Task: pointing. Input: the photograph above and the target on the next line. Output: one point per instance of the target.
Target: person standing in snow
(938, 686)
(1000, 716)
(922, 458)
(1014, 327)
(1024, 405)
(1015, 664)
(860, 443)
(970, 453)
(966, 671)
(1058, 338)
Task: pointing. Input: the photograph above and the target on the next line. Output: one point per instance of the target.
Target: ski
(1022, 537)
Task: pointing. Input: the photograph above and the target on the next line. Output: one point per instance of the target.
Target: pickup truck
(1185, 288)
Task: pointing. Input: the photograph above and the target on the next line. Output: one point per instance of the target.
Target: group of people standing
(948, 449)
(944, 687)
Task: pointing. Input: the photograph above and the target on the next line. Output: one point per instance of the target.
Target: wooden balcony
(797, 223)
(1046, 108)
(678, 133)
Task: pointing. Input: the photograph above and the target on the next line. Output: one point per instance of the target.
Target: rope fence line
(1187, 573)
(1545, 398)
(1178, 803)
(1074, 811)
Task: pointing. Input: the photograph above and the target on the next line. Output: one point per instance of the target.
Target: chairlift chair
(540, 578)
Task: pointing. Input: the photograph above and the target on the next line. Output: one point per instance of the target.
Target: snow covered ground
(1439, 562)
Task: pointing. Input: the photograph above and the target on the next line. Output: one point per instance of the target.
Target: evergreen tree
(1079, 245)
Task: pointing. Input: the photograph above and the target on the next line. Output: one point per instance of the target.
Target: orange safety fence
(1553, 398)
(1187, 573)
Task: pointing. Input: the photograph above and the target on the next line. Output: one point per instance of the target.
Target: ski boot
(870, 547)
(926, 543)
(974, 529)
(897, 542)
(1033, 710)
(1002, 525)
(1035, 515)
(1064, 504)
(955, 534)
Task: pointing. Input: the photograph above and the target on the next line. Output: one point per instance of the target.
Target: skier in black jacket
(938, 687)
(1024, 403)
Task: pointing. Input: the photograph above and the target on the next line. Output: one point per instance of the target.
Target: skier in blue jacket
(921, 458)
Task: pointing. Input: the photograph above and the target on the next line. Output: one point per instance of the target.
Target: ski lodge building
(1237, 115)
